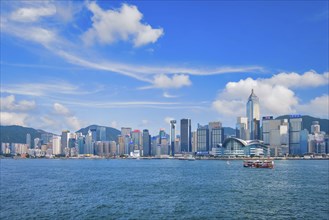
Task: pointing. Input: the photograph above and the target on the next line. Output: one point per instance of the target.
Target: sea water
(162, 189)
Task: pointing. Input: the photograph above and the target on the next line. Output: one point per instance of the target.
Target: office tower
(127, 143)
(172, 136)
(315, 127)
(64, 140)
(57, 145)
(136, 137)
(81, 143)
(146, 143)
(28, 141)
(242, 131)
(275, 132)
(295, 127)
(46, 138)
(215, 134)
(121, 145)
(125, 131)
(89, 144)
(253, 115)
(37, 143)
(202, 138)
(304, 141)
(186, 135)
(102, 133)
(113, 148)
(93, 132)
(71, 143)
(194, 141)
(162, 135)
(154, 144)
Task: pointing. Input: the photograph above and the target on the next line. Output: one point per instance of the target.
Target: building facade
(186, 135)
(253, 115)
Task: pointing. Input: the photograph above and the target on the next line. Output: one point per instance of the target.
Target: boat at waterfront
(258, 163)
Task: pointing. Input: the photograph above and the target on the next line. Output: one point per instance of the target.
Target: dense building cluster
(254, 137)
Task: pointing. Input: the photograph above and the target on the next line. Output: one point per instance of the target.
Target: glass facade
(253, 115)
(240, 148)
(186, 135)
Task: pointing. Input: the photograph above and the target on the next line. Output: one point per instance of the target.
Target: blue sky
(69, 64)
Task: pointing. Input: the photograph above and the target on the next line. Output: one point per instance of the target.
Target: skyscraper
(186, 135)
(102, 133)
(215, 134)
(253, 115)
(136, 137)
(202, 138)
(241, 130)
(172, 136)
(64, 140)
(146, 143)
(295, 127)
(28, 141)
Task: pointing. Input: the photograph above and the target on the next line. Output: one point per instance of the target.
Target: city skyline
(67, 65)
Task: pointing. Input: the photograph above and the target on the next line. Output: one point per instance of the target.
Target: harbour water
(162, 189)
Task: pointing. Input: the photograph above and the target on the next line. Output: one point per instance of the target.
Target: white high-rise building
(253, 115)
(56, 145)
(242, 131)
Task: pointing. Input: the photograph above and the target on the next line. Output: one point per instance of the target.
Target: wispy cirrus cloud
(128, 28)
(48, 89)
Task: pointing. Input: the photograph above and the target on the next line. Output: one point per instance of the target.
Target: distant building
(28, 141)
(275, 135)
(136, 137)
(121, 143)
(253, 115)
(242, 131)
(234, 147)
(125, 131)
(102, 133)
(295, 127)
(194, 141)
(146, 143)
(56, 145)
(64, 140)
(185, 134)
(202, 138)
(215, 134)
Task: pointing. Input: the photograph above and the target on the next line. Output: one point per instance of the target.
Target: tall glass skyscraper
(253, 115)
(185, 134)
(146, 143)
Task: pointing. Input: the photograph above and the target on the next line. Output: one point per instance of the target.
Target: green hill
(17, 134)
(111, 133)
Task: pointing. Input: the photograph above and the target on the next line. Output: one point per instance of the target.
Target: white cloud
(164, 81)
(48, 88)
(229, 107)
(9, 104)
(295, 80)
(114, 124)
(33, 14)
(167, 95)
(10, 118)
(61, 109)
(121, 24)
(318, 107)
(275, 94)
(168, 119)
(73, 122)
